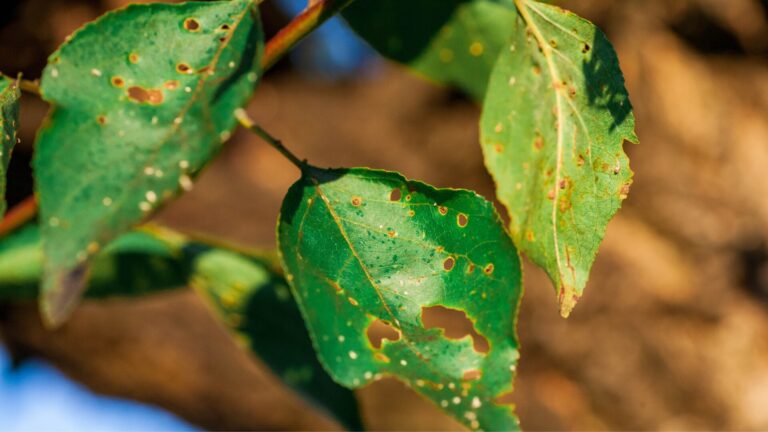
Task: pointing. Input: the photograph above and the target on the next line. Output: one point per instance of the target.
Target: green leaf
(254, 300)
(552, 131)
(454, 42)
(9, 122)
(371, 254)
(141, 99)
(135, 264)
(247, 293)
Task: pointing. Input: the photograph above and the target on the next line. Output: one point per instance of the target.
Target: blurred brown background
(672, 333)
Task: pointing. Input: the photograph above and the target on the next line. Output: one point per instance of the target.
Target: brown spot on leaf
(117, 81)
(171, 84)
(551, 194)
(530, 236)
(133, 58)
(538, 143)
(470, 268)
(442, 210)
(580, 160)
(101, 120)
(191, 24)
(455, 325)
(488, 269)
(471, 375)
(356, 201)
(462, 220)
(183, 68)
(392, 233)
(411, 213)
(449, 263)
(224, 27)
(379, 330)
(142, 95)
(498, 148)
(585, 49)
(395, 195)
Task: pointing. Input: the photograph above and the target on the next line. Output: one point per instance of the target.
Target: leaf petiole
(248, 123)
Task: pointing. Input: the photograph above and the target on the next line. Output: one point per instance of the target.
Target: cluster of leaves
(142, 98)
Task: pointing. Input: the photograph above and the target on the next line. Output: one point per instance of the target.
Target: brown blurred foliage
(672, 332)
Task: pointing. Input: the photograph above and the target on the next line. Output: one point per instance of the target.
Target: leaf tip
(61, 293)
(568, 299)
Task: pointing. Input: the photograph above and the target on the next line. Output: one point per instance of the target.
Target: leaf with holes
(370, 254)
(141, 99)
(454, 42)
(247, 293)
(552, 132)
(254, 301)
(9, 122)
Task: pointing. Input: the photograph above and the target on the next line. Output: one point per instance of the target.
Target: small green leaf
(9, 123)
(254, 301)
(248, 294)
(141, 99)
(552, 132)
(370, 255)
(454, 42)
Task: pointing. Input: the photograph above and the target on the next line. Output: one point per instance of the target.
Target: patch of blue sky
(36, 396)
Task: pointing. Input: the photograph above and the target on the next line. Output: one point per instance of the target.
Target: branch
(298, 28)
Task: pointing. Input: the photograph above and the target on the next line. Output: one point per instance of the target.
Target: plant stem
(247, 123)
(275, 49)
(298, 28)
(19, 215)
(30, 86)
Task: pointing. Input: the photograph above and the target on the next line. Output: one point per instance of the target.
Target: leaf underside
(454, 42)
(141, 99)
(552, 130)
(9, 123)
(246, 293)
(370, 253)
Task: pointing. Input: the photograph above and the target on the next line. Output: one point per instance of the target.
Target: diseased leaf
(552, 131)
(455, 42)
(9, 122)
(248, 294)
(255, 302)
(370, 255)
(141, 99)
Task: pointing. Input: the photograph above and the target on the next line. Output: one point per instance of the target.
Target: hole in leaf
(395, 195)
(455, 325)
(380, 330)
(471, 375)
(505, 399)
